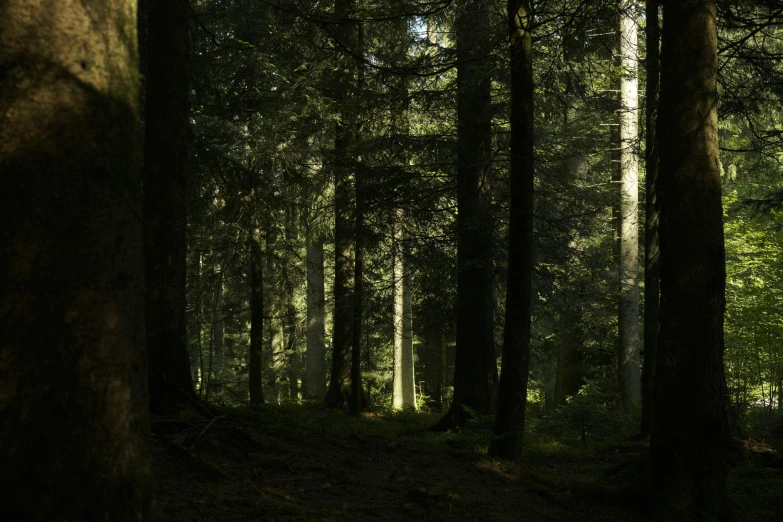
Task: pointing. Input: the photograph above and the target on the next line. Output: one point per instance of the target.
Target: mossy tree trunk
(165, 178)
(690, 429)
(74, 436)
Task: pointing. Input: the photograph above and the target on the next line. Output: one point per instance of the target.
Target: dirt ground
(273, 465)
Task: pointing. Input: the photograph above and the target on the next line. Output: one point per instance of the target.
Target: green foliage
(589, 416)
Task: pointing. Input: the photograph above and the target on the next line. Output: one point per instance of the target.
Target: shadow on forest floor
(300, 463)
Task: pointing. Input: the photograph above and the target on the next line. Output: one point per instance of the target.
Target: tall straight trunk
(475, 370)
(568, 374)
(291, 359)
(629, 378)
(74, 436)
(358, 304)
(512, 389)
(690, 430)
(275, 334)
(651, 246)
(408, 369)
(255, 360)
(218, 334)
(346, 34)
(165, 175)
(404, 395)
(315, 384)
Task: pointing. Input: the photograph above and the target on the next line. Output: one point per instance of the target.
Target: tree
(404, 394)
(475, 370)
(165, 177)
(346, 34)
(255, 357)
(74, 441)
(689, 432)
(651, 245)
(628, 320)
(512, 389)
(316, 364)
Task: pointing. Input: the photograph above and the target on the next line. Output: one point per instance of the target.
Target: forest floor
(299, 463)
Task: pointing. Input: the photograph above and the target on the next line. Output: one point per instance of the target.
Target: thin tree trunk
(512, 389)
(316, 334)
(255, 359)
(403, 392)
(475, 369)
(690, 430)
(408, 370)
(74, 435)
(165, 175)
(651, 245)
(217, 333)
(630, 386)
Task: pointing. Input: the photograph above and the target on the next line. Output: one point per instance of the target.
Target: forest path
(275, 465)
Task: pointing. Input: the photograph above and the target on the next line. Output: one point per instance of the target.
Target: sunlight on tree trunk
(629, 380)
(74, 435)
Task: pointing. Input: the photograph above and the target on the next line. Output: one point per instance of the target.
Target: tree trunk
(346, 34)
(651, 245)
(475, 369)
(404, 385)
(254, 362)
(512, 389)
(629, 380)
(316, 334)
(690, 429)
(568, 377)
(217, 358)
(165, 159)
(74, 436)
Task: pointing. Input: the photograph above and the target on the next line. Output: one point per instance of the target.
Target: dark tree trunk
(651, 246)
(512, 389)
(316, 363)
(74, 430)
(690, 428)
(165, 158)
(346, 34)
(255, 358)
(568, 377)
(475, 370)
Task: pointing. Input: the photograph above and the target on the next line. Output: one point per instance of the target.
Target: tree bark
(316, 334)
(165, 164)
(74, 435)
(629, 379)
(512, 389)
(403, 395)
(690, 429)
(475, 369)
(568, 379)
(255, 357)
(346, 34)
(651, 244)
